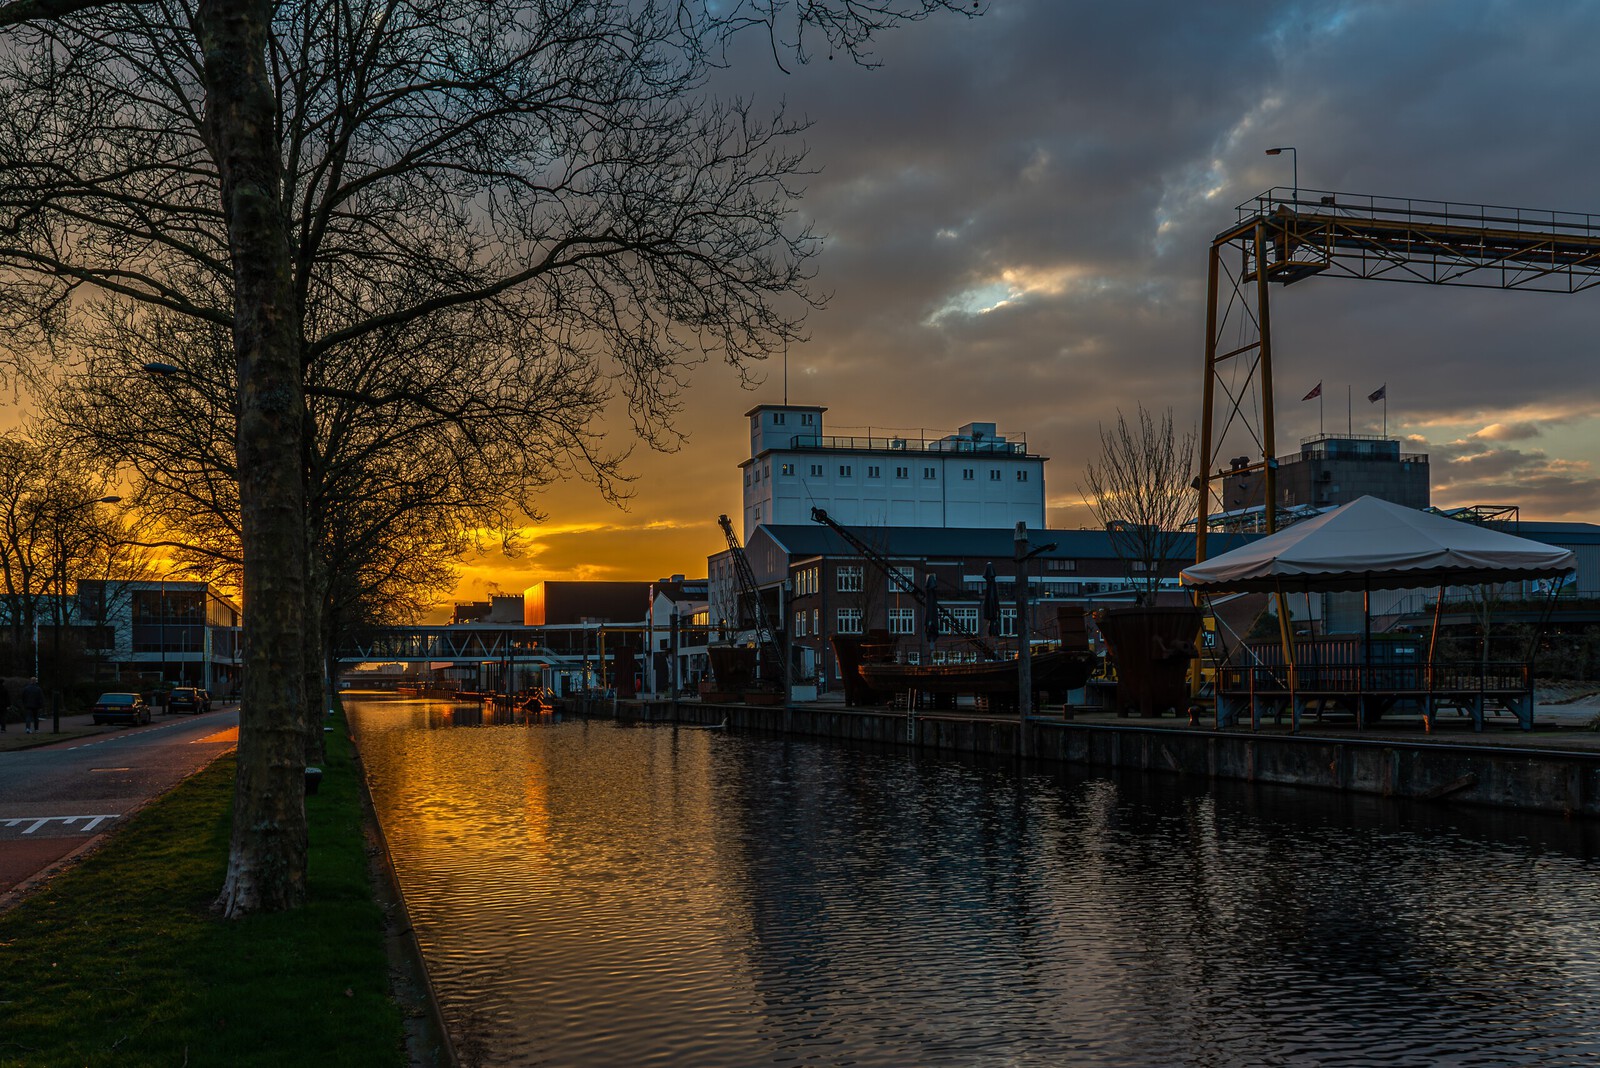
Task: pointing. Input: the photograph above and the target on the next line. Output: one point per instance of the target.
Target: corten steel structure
(1285, 235)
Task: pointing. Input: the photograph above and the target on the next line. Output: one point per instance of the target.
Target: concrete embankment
(1552, 773)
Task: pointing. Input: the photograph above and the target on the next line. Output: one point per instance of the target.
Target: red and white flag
(1316, 391)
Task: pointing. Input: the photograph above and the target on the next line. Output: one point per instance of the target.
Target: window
(777, 418)
(1061, 565)
(872, 472)
(1140, 565)
(844, 470)
(1022, 476)
(994, 474)
(909, 574)
(849, 579)
(902, 472)
(966, 474)
(816, 621)
(1008, 622)
(849, 621)
(967, 618)
(902, 621)
(816, 470)
(787, 469)
(930, 472)
(806, 418)
(799, 624)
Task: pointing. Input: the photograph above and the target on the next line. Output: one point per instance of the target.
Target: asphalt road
(60, 799)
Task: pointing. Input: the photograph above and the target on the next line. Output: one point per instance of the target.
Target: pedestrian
(32, 703)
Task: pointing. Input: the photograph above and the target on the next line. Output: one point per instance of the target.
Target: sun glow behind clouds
(1016, 284)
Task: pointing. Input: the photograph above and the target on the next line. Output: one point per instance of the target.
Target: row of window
(851, 578)
(807, 580)
(806, 418)
(929, 474)
(903, 621)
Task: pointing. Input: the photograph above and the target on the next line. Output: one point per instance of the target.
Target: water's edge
(1520, 778)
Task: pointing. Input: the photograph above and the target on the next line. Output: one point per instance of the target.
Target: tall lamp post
(1024, 554)
(61, 596)
(1294, 159)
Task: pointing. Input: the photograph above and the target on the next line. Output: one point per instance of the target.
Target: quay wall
(1555, 781)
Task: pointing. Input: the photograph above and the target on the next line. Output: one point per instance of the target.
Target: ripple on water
(589, 894)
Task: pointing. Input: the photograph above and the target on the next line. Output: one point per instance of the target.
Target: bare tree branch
(1140, 491)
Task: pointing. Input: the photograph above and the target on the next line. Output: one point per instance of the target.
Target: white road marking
(35, 822)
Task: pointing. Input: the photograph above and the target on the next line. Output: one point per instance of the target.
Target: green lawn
(120, 960)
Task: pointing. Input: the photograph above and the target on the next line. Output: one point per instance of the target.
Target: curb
(428, 1042)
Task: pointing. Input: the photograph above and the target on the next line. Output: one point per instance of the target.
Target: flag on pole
(1378, 394)
(1316, 391)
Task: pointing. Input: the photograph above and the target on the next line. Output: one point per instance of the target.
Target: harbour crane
(947, 620)
(752, 608)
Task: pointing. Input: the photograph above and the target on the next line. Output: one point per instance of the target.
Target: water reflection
(595, 894)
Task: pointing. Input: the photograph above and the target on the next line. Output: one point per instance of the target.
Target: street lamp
(61, 596)
(1022, 554)
(1294, 159)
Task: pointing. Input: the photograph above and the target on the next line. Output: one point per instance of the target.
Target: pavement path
(62, 794)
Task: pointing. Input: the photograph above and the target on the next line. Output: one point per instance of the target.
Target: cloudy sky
(1018, 210)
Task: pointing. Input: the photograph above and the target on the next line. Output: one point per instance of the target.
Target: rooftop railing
(907, 444)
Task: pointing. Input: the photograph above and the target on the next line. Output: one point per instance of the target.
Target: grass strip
(121, 961)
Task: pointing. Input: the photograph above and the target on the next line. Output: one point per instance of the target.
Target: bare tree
(310, 175)
(50, 532)
(1140, 490)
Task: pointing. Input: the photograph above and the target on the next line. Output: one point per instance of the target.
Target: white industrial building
(973, 478)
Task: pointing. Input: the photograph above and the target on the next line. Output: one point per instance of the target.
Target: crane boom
(754, 610)
(897, 578)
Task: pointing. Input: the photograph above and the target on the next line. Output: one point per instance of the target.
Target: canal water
(596, 894)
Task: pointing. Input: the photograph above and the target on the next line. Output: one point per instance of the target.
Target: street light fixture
(1294, 159)
(1022, 555)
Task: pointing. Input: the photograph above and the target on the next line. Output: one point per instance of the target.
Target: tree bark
(313, 649)
(267, 856)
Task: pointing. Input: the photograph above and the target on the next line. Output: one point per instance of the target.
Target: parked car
(121, 708)
(188, 699)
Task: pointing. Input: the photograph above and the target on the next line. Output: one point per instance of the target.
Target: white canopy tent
(1371, 544)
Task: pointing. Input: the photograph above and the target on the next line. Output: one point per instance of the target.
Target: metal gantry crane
(753, 609)
(1287, 235)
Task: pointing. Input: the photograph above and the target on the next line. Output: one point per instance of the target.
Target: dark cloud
(1018, 210)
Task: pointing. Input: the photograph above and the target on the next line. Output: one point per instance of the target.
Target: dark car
(121, 708)
(188, 699)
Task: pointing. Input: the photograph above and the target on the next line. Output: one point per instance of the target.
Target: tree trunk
(315, 655)
(267, 855)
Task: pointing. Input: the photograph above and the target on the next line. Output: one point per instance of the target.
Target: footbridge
(460, 643)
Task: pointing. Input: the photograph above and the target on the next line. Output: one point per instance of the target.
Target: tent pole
(1315, 657)
(1286, 636)
(1366, 653)
(1433, 651)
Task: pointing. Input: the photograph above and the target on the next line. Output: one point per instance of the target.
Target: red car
(121, 708)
